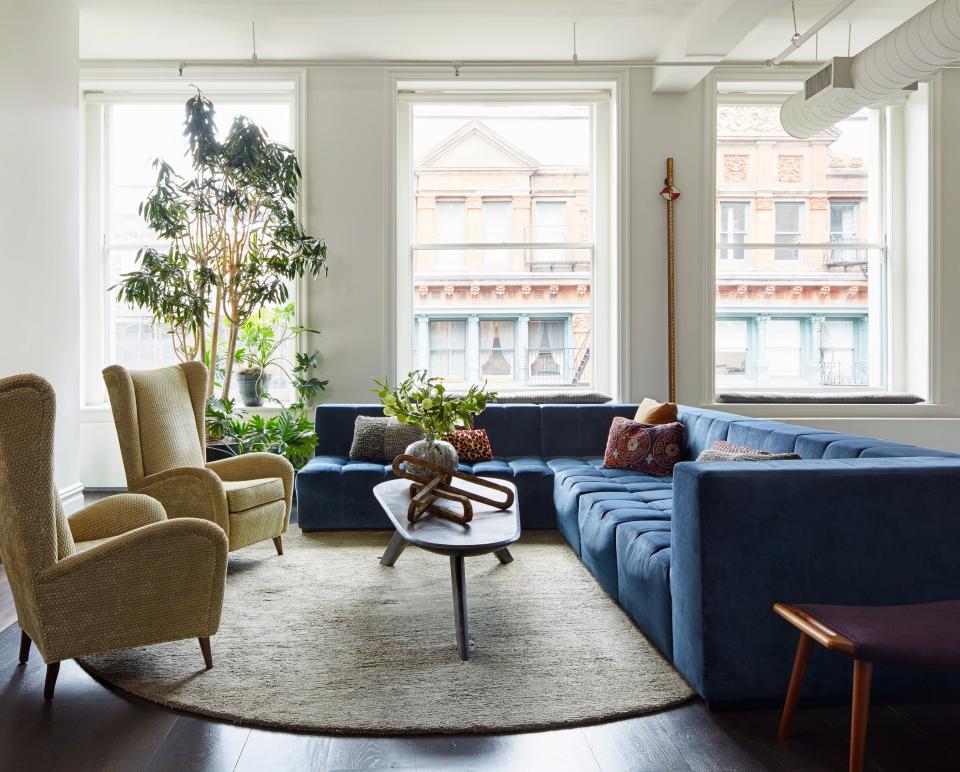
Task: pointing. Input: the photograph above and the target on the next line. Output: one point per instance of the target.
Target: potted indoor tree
(235, 241)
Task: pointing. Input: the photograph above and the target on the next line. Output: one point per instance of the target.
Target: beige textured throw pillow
(380, 440)
(652, 412)
(722, 455)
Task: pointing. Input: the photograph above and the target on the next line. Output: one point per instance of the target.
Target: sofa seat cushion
(601, 514)
(643, 579)
(577, 489)
(247, 494)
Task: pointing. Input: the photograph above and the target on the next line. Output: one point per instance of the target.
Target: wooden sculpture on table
(426, 489)
(671, 194)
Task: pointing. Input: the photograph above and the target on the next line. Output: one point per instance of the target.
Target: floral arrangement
(425, 402)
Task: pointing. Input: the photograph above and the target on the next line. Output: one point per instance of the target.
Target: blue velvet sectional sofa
(697, 560)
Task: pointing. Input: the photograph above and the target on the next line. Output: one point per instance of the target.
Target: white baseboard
(72, 498)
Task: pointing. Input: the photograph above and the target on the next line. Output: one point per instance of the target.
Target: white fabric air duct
(915, 50)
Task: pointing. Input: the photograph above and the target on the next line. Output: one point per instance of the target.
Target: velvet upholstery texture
(698, 558)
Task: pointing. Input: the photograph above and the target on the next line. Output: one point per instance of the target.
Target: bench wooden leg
(796, 681)
(862, 676)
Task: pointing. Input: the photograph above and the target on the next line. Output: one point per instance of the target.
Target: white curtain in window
(497, 361)
(448, 345)
(545, 352)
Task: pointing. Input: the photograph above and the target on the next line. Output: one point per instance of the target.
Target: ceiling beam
(713, 31)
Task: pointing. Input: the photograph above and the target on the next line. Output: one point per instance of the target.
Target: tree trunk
(214, 342)
(228, 358)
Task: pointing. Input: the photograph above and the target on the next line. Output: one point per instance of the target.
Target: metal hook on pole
(575, 58)
(253, 35)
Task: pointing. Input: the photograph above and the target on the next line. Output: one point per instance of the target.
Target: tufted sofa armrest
(746, 535)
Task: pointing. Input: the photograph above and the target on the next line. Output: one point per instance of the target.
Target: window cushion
(472, 445)
(653, 450)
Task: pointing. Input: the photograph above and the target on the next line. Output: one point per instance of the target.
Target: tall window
(788, 218)
(497, 229)
(451, 229)
(488, 182)
(733, 228)
(125, 134)
(794, 311)
(844, 229)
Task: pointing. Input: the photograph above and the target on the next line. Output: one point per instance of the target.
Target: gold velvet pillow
(653, 412)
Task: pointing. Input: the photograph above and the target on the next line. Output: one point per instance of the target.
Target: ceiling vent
(833, 76)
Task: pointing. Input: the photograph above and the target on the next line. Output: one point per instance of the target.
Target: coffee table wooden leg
(504, 555)
(459, 581)
(396, 546)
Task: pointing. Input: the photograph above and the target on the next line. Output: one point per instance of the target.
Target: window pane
(497, 350)
(448, 350)
(783, 347)
(731, 349)
(788, 228)
(505, 173)
(774, 192)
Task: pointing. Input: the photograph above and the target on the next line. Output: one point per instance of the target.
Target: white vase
(436, 451)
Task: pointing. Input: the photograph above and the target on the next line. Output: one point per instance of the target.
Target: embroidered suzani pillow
(644, 448)
(472, 445)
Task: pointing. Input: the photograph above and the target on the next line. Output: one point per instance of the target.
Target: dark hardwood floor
(92, 727)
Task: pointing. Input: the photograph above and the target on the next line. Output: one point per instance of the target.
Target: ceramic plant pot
(252, 388)
(435, 451)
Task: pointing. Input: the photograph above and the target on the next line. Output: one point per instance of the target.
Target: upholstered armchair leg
(862, 676)
(24, 647)
(207, 655)
(53, 670)
(278, 543)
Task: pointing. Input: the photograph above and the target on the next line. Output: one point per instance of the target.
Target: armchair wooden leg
(24, 647)
(862, 676)
(796, 681)
(205, 649)
(278, 543)
(53, 670)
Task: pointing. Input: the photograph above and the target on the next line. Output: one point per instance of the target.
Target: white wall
(39, 211)
(349, 185)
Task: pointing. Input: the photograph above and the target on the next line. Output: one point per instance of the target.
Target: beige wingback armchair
(159, 416)
(118, 574)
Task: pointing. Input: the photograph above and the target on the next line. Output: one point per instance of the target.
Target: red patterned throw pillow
(472, 445)
(644, 448)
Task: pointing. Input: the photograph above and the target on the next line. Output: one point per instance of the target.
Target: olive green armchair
(117, 574)
(159, 415)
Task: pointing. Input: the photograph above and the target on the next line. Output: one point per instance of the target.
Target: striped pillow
(728, 447)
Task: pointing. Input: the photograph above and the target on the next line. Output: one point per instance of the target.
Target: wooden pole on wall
(671, 194)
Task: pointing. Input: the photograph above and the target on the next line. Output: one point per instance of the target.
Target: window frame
(610, 192)
(99, 90)
(746, 85)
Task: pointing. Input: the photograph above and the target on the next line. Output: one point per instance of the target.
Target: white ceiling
(450, 30)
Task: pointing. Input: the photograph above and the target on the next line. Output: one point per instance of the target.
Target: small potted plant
(262, 339)
(426, 403)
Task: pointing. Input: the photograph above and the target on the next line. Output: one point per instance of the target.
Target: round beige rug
(325, 639)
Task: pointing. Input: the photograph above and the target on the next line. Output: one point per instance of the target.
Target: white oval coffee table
(490, 530)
